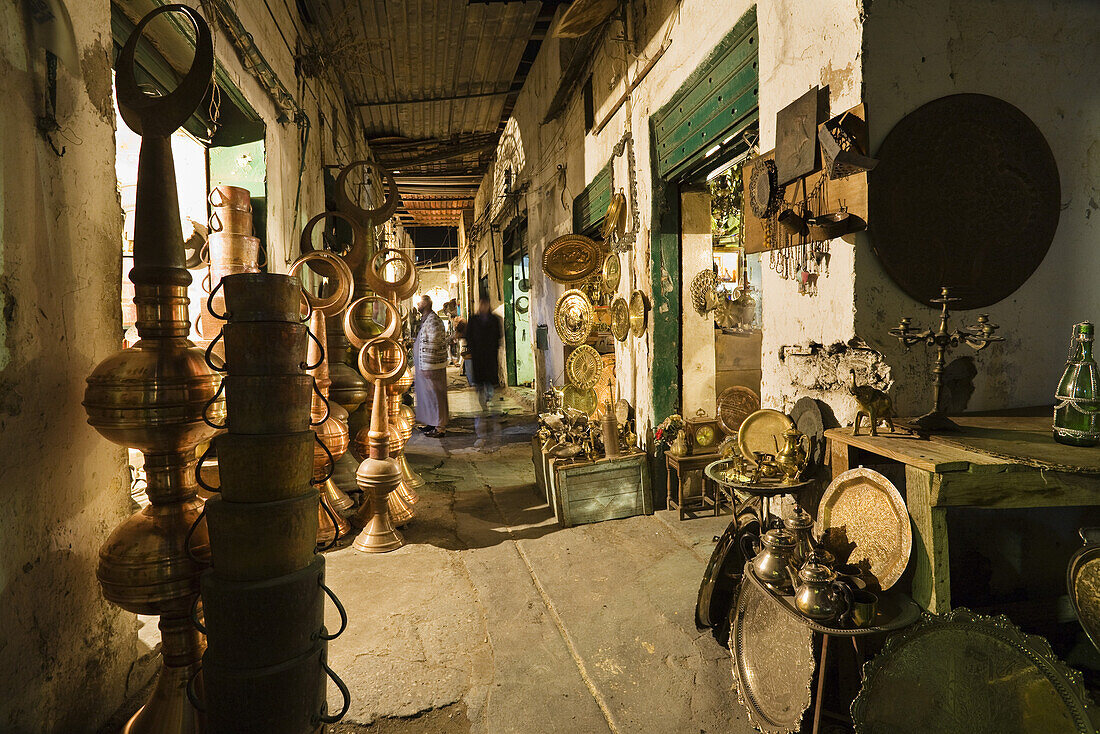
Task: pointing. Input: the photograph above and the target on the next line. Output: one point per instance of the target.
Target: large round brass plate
(614, 223)
(965, 195)
(570, 258)
(611, 272)
(573, 317)
(638, 308)
(862, 507)
(620, 318)
(735, 404)
(1083, 583)
(579, 398)
(773, 661)
(962, 672)
(583, 366)
(762, 432)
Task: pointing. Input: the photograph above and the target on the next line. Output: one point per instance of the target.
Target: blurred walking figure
(483, 333)
(430, 358)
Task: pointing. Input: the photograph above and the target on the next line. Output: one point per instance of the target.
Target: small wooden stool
(680, 468)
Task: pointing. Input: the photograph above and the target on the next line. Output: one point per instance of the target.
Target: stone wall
(68, 659)
(1041, 57)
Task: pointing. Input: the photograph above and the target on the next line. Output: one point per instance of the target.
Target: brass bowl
(267, 403)
(263, 297)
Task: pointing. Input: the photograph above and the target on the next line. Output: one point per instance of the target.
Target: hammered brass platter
(863, 507)
(735, 404)
(773, 662)
(573, 317)
(583, 366)
(570, 258)
(762, 432)
(612, 271)
(638, 308)
(614, 223)
(620, 318)
(964, 672)
(579, 398)
(1083, 584)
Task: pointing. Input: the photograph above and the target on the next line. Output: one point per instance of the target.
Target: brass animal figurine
(874, 404)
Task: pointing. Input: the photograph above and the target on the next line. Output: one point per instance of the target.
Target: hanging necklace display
(792, 252)
(151, 396)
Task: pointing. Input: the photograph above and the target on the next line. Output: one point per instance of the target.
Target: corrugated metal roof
(434, 81)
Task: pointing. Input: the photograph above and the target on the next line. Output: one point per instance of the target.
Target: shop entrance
(519, 356)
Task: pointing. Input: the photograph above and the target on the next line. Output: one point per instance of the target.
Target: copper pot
(254, 624)
(233, 253)
(267, 403)
(264, 348)
(250, 541)
(264, 468)
(231, 221)
(263, 297)
(231, 197)
(287, 698)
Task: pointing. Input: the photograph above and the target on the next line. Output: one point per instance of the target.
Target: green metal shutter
(590, 205)
(718, 100)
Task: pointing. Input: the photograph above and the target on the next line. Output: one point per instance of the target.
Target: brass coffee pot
(791, 459)
(772, 556)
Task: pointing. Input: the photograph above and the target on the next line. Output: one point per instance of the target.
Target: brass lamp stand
(151, 397)
(977, 337)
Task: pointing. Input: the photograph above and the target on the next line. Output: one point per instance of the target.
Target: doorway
(519, 356)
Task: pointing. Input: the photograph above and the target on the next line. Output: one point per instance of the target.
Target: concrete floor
(494, 619)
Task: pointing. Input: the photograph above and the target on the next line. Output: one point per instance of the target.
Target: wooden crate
(605, 489)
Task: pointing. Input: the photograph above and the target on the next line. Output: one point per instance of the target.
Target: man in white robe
(430, 359)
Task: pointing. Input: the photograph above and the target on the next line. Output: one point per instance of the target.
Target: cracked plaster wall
(1041, 57)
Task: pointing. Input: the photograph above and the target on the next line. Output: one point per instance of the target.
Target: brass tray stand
(897, 612)
(763, 490)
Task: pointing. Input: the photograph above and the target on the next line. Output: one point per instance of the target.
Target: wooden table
(1009, 470)
(678, 469)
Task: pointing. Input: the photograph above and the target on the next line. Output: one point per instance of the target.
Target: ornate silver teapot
(772, 556)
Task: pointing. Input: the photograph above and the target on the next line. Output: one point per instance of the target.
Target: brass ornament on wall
(765, 193)
(639, 308)
(704, 291)
(612, 272)
(573, 317)
(583, 366)
(614, 223)
(571, 258)
(620, 318)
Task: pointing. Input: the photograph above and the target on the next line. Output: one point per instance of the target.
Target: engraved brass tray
(573, 317)
(638, 308)
(762, 432)
(579, 398)
(863, 508)
(620, 318)
(583, 367)
(571, 258)
(963, 672)
(773, 662)
(1083, 583)
(735, 404)
(612, 271)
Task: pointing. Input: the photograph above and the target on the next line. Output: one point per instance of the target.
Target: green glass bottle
(1077, 400)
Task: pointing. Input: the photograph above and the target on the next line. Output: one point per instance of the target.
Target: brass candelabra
(977, 337)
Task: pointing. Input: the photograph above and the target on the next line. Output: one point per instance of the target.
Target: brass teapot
(772, 558)
(791, 459)
(818, 594)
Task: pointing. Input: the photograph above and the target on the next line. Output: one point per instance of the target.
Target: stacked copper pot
(231, 247)
(151, 397)
(265, 667)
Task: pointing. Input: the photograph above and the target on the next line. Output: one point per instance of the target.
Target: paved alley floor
(494, 619)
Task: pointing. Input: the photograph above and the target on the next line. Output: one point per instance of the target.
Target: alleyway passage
(495, 619)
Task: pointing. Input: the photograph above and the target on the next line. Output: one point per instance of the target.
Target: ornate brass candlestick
(151, 397)
(379, 475)
(977, 337)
